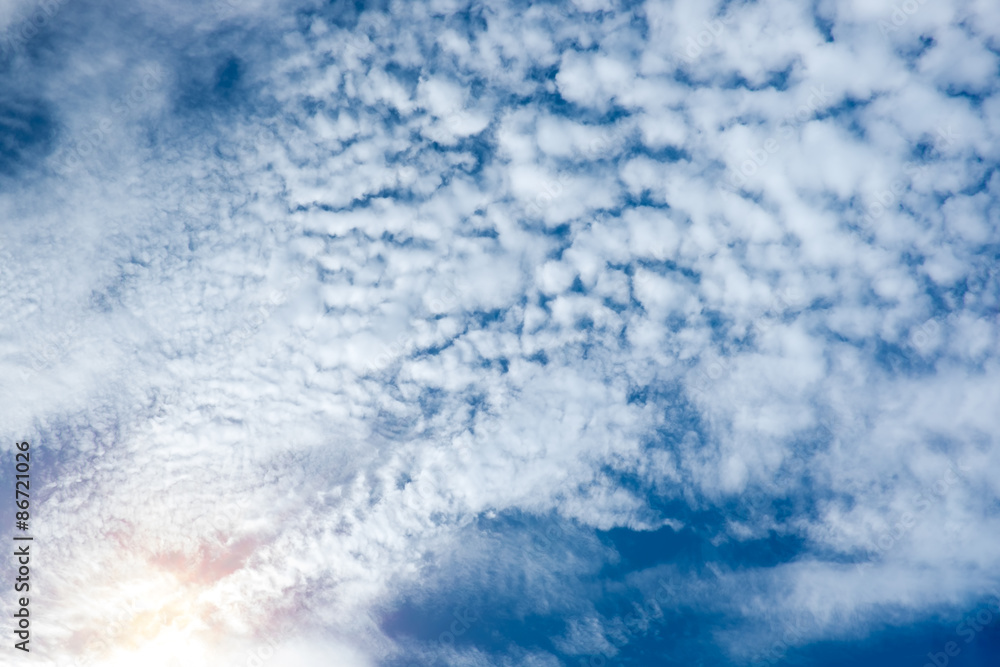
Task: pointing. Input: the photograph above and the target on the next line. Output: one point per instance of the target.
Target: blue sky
(505, 333)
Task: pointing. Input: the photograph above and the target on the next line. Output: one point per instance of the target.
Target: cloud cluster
(304, 303)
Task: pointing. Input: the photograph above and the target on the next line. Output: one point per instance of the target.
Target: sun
(170, 648)
(163, 627)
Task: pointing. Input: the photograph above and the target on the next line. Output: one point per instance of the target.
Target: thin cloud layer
(430, 332)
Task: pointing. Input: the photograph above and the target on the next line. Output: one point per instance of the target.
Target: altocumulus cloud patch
(425, 333)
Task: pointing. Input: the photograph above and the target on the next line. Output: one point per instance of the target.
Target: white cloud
(299, 309)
